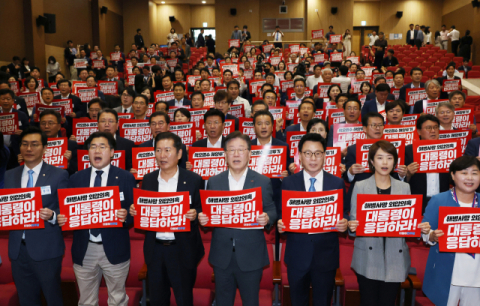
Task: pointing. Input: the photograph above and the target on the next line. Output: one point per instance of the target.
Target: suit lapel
(112, 179)
(43, 176)
(249, 180)
(17, 177)
(182, 182)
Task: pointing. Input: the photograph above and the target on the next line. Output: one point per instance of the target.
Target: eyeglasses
(33, 145)
(233, 151)
(449, 112)
(159, 123)
(431, 128)
(375, 126)
(107, 121)
(48, 123)
(310, 154)
(100, 147)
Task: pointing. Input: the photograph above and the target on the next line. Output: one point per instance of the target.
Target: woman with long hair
(347, 43)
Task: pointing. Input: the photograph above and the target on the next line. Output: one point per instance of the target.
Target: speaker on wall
(50, 27)
(475, 3)
(103, 10)
(334, 10)
(41, 20)
(399, 14)
(233, 11)
(172, 18)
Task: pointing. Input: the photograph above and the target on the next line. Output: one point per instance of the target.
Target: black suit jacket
(139, 41)
(79, 108)
(232, 117)
(181, 163)
(189, 243)
(126, 145)
(403, 90)
(22, 106)
(408, 40)
(371, 96)
(116, 241)
(186, 102)
(200, 41)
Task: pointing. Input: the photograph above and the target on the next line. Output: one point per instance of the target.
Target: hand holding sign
(203, 219)
(434, 235)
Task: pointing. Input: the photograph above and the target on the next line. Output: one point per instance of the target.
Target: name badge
(46, 190)
(122, 198)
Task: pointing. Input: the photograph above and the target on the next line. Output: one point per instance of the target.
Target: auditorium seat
(473, 74)
(8, 291)
(429, 74)
(476, 68)
(449, 55)
(419, 258)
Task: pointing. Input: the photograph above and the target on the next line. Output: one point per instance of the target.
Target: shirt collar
(218, 143)
(35, 169)
(243, 177)
(319, 176)
(175, 177)
(105, 169)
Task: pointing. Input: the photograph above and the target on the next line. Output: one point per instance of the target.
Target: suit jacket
(403, 90)
(370, 106)
(119, 110)
(408, 40)
(181, 163)
(126, 145)
(293, 128)
(444, 95)
(186, 102)
(236, 35)
(21, 105)
(371, 96)
(202, 143)
(139, 41)
(372, 258)
(473, 147)
(79, 108)
(116, 241)
(200, 41)
(189, 243)
(232, 117)
(13, 71)
(304, 251)
(418, 181)
(250, 245)
(46, 243)
(73, 164)
(465, 69)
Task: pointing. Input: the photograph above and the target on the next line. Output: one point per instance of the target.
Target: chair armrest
(277, 272)
(339, 280)
(142, 274)
(417, 284)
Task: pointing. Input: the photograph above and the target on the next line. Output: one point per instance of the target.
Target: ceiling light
(163, 2)
(204, 2)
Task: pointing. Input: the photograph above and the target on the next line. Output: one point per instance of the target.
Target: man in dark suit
(377, 105)
(223, 101)
(102, 251)
(79, 108)
(465, 67)
(444, 94)
(416, 74)
(113, 100)
(238, 256)
(15, 68)
(306, 111)
(19, 101)
(312, 259)
(246, 34)
(200, 40)
(351, 111)
(433, 90)
(179, 96)
(172, 258)
(379, 80)
(37, 254)
(411, 35)
(214, 124)
(139, 39)
(426, 184)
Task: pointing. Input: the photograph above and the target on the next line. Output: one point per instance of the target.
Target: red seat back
(136, 263)
(474, 74)
(5, 267)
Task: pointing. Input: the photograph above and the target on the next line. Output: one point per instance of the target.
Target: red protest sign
(385, 215)
(322, 89)
(396, 132)
(9, 123)
(312, 212)
(395, 92)
(65, 103)
(39, 108)
(237, 110)
(197, 114)
(234, 43)
(78, 84)
(115, 57)
(415, 94)
(108, 87)
(335, 116)
(267, 48)
(291, 66)
(430, 105)
(320, 114)
(99, 64)
(229, 128)
(143, 160)
(54, 155)
(135, 130)
(185, 130)
(255, 84)
(163, 95)
(83, 128)
(246, 127)
(463, 135)
(316, 34)
(461, 226)
(171, 111)
(83, 159)
(87, 94)
(336, 56)
(354, 59)
(345, 135)
(333, 159)
(292, 105)
(335, 39)
(286, 85)
(435, 156)
(192, 78)
(355, 85)
(161, 211)
(209, 102)
(125, 116)
(80, 63)
(234, 68)
(20, 209)
(130, 79)
(15, 87)
(275, 60)
(362, 99)
(293, 138)
(92, 207)
(207, 162)
(319, 57)
(451, 85)
(31, 98)
(278, 112)
(368, 70)
(233, 209)
(270, 161)
(463, 118)
(363, 147)
(409, 120)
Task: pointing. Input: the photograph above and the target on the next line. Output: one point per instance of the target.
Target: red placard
(345, 135)
(87, 94)
(15, 87)
(233, 209)
(207, 162)
(191, 79)
(333, 159)
(463, 135)
(246, 127)
(410, 119)
(355, 85)
(83, 128)
(54, 155)
(322, 89)
(461, 226)
(316, 34)
(130, 78)
(247, 48)
(335, 38)
(396, 132)
(78, 84)
(336, 56)
(391, 83)
(31, 98)
(80, 63)
(126, 116)
(185, 130)
(385, 215)
(9, 123)
(320, 114)
(234, 43)
(99, 64)
(435, 156)
(39, 108)
(196, 115)
(83, 159)
(275, 60)
(285, 85)
(163, 96)
(161, 211)
(354, 59)
(234, 68)
(335, 116)
(362, 99)
(135, 130)
(255, 84)
(65, 103)
(451, 85)
(270, 161)
(278, 112)
(319, 57)
(363, 147)
(143, 160)
(312, 212)
(415, 94)
(115, 56)
(237, 110)
(267, 48)
(294, 48)
(368, 70)
(209, 102)
(430, 105)
(92, 207)
(291, 66)
(229, 128)
(395, 92)
(109, 88)
(20, 208)
(293, 138)
(291, 106)
(463, 118)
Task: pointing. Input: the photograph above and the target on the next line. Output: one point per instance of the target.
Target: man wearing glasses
(312, 259)
(127, 100)
(299, 89)
(238, 256)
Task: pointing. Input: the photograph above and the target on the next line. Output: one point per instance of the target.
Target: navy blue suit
(15, 139)
(372, 96)
(181, 163)
(351, 159)
(370, 106)
(126, 145)
(36, 262)
(472, 147)
(21, 105)
(403, 90)
(186, 102)
(417, 107)
(116, 241)
(312, 259)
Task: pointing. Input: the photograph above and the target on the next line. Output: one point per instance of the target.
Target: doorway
(207, 31)
(360, 37)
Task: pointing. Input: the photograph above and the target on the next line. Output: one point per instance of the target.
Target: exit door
(360, 37)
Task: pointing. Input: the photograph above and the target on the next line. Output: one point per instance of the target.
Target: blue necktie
(98, 183)
(312, 184)
(30, 179)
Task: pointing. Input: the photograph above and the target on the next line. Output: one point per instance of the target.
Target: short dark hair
(307, 100)
(391, 105)
(109, 111)
(269, 91)
(382, 87)
(371, 115)
(144, 97)
(260, 102)
(195, 93)
(220, 95)
(184, 111)
(314, 121)
(46, 89)
(387, 147)
(352, 99)
(51, 112)
(233, 82)
(428, 117)
(7, 92)
(157, 114)
(343, 70)
(237, 134)
(228, 70)
(177, 141)
(34, 130)
(138, 31)
(263, 113)
(399, 73)
(28, 79)
(462, 163)
(130, 91)
(63, 81)
(160, 102)
(340, 95)
(300, 80)
(179, 85)
(456, 92)
(111, 140)
(214, 112)
(379, 79)
(99, 101)
(415, 69)
(312, 137)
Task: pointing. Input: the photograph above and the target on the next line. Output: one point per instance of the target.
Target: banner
(463, 135)
(336, 57)
(246, 127)
(463, 118)
(65, 103)
(354, 59)
(163, 96)
(115, 57)
(54, 154)
(435, 156)
(270, 161)
(335, 39)
(92, 207)
(396, 132)
(319, 57)
(233, 209)
(80, 63)
(414, 95)
(161, 211)
(39, 108)
(316, 34)
(335, 116)
(267, 48)
(31, 98)
(345, 135)
(385, 215)
(209, 102)
(9, 123)
(275, 60)
(87, 94)
(207, 162)
(20, 208)
(429, 106)
(409, 119)
(237, 110)
(363, 147)
(196, 115)
(135, 130)
(184, 130)
(191, 79)
(312, 212)
(451, 85)
(83, 128)
(278, 112)
(293, 138)
(461, 226)
(234, 43)
(254, 85)
(333, 159)
(234, 68)
(83, 159)
(109, 88)
(143, 159)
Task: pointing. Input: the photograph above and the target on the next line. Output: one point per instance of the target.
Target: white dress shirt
(454, 35)
(372, 39)
(277, 36)
(217, 145)
(318, 183)
(93, 175)
(235, 185)
(344, 81)
(444, 35)
(246, 105)
(302, 129)
(128, 109)
(312, 81)
(433, 184)
(179, 102)
(167, 186)
(412, 34)
(380, 107)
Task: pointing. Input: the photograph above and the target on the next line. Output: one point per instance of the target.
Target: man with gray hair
(433, 90)
(445, 112)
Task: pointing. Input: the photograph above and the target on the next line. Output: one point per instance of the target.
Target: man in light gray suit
(236, 34)
(238, 256)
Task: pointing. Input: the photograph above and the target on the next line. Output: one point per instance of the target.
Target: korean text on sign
(83, 128)
(398, 132)
(20, 209)
(386, 215)
(161, 211)
(463, 135)
(143, 160)
(312, 212)
(461, 226)
(135, 130)
(54, 155)
(463, 118)
(9, 123)
(435, 156)
(363, 147)
(270, 161)
(293, 138)
(184, 130)
(87, 208)
(207, 162)
(234, 209)
(415, 94)
(87, 94)
(345, 135)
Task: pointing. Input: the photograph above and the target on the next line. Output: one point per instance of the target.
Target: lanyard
(475, 199)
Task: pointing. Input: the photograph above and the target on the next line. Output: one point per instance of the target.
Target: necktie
(98, 183)
(125, 110)
(30, 179)
(312, 184)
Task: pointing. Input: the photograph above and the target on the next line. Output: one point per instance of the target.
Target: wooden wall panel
(114, 28)
(366, 11)
(200, 14)
(57, 53)
(181, 12)
(463, 19)
(13, 34)
(322, 19)
(452, 5)
(270, 9)
(136, 16)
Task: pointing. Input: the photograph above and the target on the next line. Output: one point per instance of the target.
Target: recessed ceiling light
(163, 2)
(204, 2)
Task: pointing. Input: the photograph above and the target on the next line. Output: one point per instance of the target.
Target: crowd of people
(371, 94)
